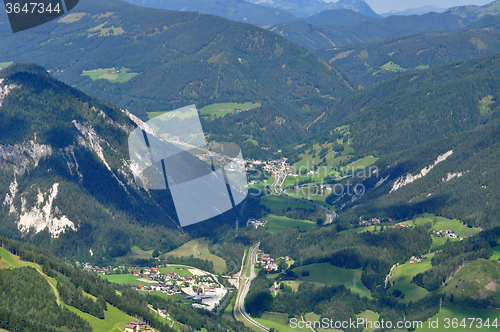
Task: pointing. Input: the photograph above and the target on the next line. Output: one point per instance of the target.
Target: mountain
(330, 36)
(416, 108)
(338, 17)
(236, 10)
(66, 176)
(473, 13)
(173, 59)
(379, 60)
(306, 8)
(415, 11)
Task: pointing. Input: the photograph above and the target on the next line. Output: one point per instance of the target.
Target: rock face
(65, 173)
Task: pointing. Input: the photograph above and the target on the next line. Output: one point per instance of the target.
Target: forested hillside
(377, 61)
(314, 37)
(179, 58)
(28, 303)
(419, 107)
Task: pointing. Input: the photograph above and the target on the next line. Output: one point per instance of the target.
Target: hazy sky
(384, 6)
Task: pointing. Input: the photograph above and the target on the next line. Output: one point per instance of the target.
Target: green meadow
(219, 110)
(369, 316)
(403, 274)
(278, 223)
(182, 271)
(279, 322)
(137, 253)
(496, 253)
(277, 203)
(102, 73)
(198, 248)
(328, 274)
(4, 65)
(127, 279)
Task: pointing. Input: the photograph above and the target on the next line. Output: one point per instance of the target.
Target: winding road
(244, 286)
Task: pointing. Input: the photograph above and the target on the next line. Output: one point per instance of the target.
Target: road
(244, 286)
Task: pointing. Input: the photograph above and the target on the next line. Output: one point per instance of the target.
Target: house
(172, 273)
(155, 269)
(130, 328)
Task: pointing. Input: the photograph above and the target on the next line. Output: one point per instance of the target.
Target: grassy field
(370, 316)
(279, 322)
(278, 223)
(198, 248)
(422, 67)
(403, 274)
(443, 224)
(71, 18)
(137, 253)
(363, 162)
(496, 253)
(179, 270)
(127, 279)
(391, 66)
(219, 110)
(278, 203)
(262, 184)
(4, 65)
(102, 73)
(101, 31)
(319, 198)
(460, 313)
(328, 274)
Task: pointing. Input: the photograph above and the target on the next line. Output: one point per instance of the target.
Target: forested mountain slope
(180, 58)
(419, 107)
(65, 172)
(376, 61)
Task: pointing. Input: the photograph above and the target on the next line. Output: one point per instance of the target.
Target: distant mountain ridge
(236, 10)
(415, 11)
(306, 8)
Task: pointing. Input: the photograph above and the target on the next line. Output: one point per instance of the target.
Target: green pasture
(137, 253)
(198, 248)
(127, 279)
(4, 65)
(279, 322)
(181, 271)
(102, 73)
(278, 223)
(219, 110)
(403, 274)
(496, 253)
(277, 203)
(328, 274)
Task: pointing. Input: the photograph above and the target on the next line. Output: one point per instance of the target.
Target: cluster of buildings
(266, 262)
(137, 326)
(414, 259)
(256, 223)
(375, 221)
(447, 233)
(403, 225)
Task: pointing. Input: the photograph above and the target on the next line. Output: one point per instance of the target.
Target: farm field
(328, 274)
(4, 65)
(103, 73)
(219, 110)
(277, 203)
(460, 314)
(278, 223)
(198, 248)
(363, 162)
(402, 276)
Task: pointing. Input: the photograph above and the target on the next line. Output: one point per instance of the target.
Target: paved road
(244, 286)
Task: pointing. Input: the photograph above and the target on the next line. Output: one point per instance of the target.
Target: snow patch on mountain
(409, 178)
(42, 216)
